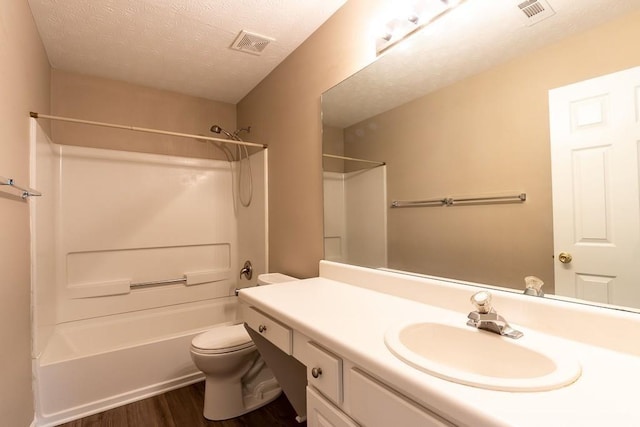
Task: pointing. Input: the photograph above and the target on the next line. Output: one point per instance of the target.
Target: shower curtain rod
(333, 156)
(147, 130)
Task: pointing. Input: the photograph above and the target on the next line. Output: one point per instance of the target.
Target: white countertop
(351, 321)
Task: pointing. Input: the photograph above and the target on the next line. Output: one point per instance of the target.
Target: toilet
(237, 379)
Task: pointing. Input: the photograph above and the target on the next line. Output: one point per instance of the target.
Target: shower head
(234, 136)
(218, 129)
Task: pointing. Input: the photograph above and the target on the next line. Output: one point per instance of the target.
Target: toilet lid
(225, 338)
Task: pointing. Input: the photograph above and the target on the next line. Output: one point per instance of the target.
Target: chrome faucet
(486, 318)
(533, 286)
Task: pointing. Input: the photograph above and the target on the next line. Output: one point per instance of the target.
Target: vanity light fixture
(421, 14)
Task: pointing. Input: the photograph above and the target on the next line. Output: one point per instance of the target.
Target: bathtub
(92, 365)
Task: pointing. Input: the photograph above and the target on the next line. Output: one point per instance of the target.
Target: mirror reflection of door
(595, 140)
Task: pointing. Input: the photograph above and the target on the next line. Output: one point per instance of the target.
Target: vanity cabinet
(338, 392)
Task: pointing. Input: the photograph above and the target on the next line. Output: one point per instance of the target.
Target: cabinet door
(321, 413)
(324, 372)
(375, 405)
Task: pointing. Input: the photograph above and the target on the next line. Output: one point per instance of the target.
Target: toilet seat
(221, 340)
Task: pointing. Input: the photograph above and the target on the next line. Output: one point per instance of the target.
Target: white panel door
(595, 136)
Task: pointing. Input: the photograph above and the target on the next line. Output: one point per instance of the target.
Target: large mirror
(461, 110)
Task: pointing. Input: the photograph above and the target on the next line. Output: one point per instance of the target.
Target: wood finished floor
(183, 408)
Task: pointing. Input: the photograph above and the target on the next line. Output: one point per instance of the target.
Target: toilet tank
(269, 278)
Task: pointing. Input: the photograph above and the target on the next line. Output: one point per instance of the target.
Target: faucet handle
(247, 270)
(533, 286)
(482, 301)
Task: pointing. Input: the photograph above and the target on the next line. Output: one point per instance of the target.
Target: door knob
(565, 257)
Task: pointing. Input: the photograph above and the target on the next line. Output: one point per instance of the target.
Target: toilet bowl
(237, 379)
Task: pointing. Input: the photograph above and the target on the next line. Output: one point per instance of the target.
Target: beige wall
(24, 85)
(484, 135)
(98, 99)
(284, 110)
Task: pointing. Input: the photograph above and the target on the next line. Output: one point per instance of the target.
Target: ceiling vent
(535, 11)
(250, 43)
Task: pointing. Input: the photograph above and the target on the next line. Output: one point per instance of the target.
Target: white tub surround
(96, 364)
(133, 254)
(118, 231)
(338, 322)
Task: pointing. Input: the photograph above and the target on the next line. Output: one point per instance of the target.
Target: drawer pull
(262, 328)
(316, 372)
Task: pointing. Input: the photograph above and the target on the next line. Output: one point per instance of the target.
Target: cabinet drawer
(375, 405)
(324, 372)
(269, 328)
(321, 413)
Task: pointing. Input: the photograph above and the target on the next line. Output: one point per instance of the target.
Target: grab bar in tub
(124, 286)
(194, 278)
(158, 283)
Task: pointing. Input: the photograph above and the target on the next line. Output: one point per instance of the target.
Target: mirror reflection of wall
(355, 206)
(487, 134)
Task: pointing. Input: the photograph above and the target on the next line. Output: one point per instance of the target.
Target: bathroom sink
(470, 356)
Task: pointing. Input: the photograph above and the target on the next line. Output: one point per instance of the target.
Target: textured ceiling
(476, 36)
(177, 45)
